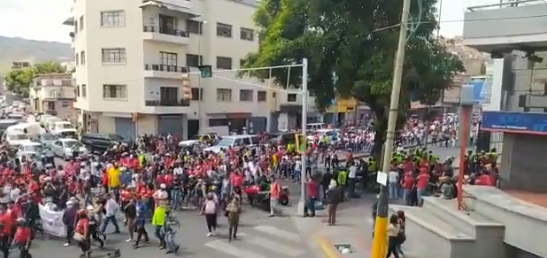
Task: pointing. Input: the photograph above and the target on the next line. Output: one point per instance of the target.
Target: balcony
(164, 71)
(181, 6)
(165, 35)
(167, 106)
(502, 27)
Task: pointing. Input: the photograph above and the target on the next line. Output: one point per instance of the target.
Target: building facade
(131, 56)
(54, 94)
(510, 32)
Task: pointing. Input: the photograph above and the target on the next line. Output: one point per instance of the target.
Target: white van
(234, 141)
(14, 138)
(31, 129)
(61, 126)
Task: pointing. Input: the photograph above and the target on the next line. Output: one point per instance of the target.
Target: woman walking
(402, 236)
(209, 209)
(81, 234)
(233, 210)
(393, 235)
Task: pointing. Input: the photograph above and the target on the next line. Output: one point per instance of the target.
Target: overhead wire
(417, 23)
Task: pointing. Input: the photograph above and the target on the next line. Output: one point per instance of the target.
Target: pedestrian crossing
(261, 242)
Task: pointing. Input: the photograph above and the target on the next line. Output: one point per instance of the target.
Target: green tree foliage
(20, 80)
(357, 40)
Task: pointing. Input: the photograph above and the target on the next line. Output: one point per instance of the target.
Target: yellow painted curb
(327, 247)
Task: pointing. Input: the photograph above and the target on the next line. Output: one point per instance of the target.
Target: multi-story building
(131, 56)
(54, 94)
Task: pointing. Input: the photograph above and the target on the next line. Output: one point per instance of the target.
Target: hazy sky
(42, 20)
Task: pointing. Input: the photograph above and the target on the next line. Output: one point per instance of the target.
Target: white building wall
(142, 49)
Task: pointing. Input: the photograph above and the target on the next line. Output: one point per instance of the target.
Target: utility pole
(380, 228)
(302, 201)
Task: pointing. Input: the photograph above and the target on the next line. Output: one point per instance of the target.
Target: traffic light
(301, 143)
(186, 87)
(206, 71)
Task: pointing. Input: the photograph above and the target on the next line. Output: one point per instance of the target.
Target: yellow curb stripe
(327, 247)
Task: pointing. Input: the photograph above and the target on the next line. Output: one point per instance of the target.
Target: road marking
(279, 233)
(223, 246)
(327, 247)
(271, 245)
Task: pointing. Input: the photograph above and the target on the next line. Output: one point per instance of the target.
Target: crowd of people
(152, 178)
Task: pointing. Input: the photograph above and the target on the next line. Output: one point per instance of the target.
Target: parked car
(100, 142)
(65, 148)
(29, 148)
(47, 139)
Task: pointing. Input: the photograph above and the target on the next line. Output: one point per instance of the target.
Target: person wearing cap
(69, 219)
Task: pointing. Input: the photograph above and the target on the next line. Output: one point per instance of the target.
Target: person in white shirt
(352, 179)
(393, 184)
(111, 208)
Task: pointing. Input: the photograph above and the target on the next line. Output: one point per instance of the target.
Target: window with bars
(224, 30)
(261, 96)
(114, 91)
(197, 94)
(246, 95)
(247, 34)
(224, 95)
(113, 19)
(224, 62)
(168, 58)
(113, 55)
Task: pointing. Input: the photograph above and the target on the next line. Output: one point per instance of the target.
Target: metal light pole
(200, 62)
(302, 201)
(380, 228)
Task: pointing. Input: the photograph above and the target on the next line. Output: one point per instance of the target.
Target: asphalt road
(260, 236)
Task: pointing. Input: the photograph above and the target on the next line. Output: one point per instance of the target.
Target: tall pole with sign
(467, 100)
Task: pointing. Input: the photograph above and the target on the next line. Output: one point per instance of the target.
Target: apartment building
(131, 57)
(54, 94)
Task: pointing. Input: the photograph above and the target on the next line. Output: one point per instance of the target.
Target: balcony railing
(167, 31)
(166, 68)
(504, 4)
(167, 103)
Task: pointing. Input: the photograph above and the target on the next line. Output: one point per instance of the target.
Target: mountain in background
(32, 51)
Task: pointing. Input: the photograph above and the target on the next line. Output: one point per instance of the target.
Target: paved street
(260, 236)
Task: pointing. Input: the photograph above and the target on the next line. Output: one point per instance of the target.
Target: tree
(20, 80)
(357, 40)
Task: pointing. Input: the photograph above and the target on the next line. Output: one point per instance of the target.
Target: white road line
(271, 245)
(224, 247)
(279, 233)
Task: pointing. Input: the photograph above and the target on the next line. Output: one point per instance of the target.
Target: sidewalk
(354, 228)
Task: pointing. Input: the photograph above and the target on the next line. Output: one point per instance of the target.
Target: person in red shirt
(81, 232)
(407, 184)
(422, 184)
(311, 198)
(22, 238)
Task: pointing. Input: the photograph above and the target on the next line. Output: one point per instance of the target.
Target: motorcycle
(257, 195)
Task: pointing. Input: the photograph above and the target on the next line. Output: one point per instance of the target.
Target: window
(291, 97)
(246, 95)
(65, 104)
(82, 57)
(197, 94)
(77, 59)
(113, 55)
(77, 91)
(113, 19)
(261, 95)
(114, 91)
(224, 95)
(167, 58)
(75, 26)
(224, 30)
(84, 91)
(169, 95)
(193, 60)
(218, 122)
(247, 34)
(81, 23)
(194, 27)
(51, 105)
(224, 62)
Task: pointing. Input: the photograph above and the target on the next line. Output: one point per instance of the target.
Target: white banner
(52, 222)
